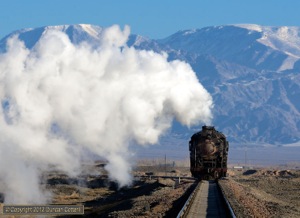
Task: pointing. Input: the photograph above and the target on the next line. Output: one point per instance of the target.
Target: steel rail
(231, 212)
(189, 202)
(207, 200)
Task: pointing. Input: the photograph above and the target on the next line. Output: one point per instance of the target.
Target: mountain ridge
(251, 71)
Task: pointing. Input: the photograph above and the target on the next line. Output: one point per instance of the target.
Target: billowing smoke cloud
(60, 99)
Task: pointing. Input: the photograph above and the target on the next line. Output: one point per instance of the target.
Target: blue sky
(155, 19)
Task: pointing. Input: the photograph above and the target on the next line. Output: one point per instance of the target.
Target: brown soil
(264, 193)
(147, 197)
(252, 193)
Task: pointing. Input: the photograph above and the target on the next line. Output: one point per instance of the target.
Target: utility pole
(165, 165)
(245, 156)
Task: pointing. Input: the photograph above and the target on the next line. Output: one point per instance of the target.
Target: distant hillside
(252, 72)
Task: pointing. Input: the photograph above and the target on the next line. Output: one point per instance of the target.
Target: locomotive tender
(208, 154)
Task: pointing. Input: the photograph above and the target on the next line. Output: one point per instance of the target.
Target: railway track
(207, 200)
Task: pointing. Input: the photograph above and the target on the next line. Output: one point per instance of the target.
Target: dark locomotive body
(208, 154)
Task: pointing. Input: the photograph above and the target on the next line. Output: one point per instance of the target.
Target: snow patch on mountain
(93, 31)
(285, 39)
(288, 63)
(251, 27)
(77, 34)
(138, 40)
(189, 32)
(252, 72)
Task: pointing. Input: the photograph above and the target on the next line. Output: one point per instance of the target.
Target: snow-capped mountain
(76, 33)
(262, 48)
(252, 72)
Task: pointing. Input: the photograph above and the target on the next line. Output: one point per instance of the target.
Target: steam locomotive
(208, 154)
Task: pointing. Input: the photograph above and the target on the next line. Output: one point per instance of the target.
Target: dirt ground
(263, 192)
(257, 192)
(147, 197)
(251, 192)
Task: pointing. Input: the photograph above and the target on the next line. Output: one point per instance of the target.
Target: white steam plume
(59, 99)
